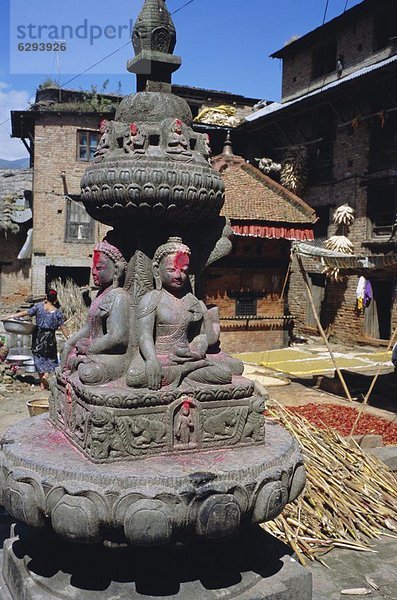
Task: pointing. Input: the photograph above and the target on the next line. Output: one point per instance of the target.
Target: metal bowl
(18, 360)
(29, 366)
(19, 327)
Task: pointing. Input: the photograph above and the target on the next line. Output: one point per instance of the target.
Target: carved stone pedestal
(155, 501)
(113, 422)
(250, 566)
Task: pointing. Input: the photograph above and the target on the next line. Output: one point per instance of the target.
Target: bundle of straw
(72, 303)
(350, 497)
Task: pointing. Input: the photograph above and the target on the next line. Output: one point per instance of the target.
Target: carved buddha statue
(134, 140)
(103, 147)
(98, 350)
(175, 330)
(177, 142)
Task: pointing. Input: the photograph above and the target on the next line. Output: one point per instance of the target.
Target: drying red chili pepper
(341, 419)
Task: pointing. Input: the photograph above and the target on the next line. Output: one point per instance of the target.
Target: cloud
(11, 99)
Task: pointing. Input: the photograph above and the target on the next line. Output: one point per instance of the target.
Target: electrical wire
(181, 7)
(325, 11)
(101, 60)
(115, 51)
(346, 3)
(95, 64)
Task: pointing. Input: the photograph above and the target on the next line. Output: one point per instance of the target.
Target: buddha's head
(108, 266)
(103, 126)
(171, 265)
(177, 127)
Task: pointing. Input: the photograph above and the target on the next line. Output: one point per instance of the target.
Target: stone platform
(250, 566)
(47, 483)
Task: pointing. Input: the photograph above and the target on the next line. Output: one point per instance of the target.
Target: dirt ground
(13, 399)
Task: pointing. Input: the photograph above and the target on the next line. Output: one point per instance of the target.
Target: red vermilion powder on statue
(95, 258)
(181, 260)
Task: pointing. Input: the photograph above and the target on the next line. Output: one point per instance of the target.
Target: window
(79, 225)
(383, 143)
(245, 306)
(87, 142)
(381, 211)
(324, 60)
(321, 152)
(320, 228)
(385, 28)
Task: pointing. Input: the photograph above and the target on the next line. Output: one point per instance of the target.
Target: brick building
(248, 285)
(61, 131)
(339, 110)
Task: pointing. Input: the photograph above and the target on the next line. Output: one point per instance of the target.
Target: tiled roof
(277, 106)
(252, 196)
(351, 264)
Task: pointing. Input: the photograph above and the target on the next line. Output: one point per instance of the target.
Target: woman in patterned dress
(49, 318)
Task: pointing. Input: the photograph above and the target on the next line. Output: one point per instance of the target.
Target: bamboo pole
(371, 387)
(286, 278)
(320, 328)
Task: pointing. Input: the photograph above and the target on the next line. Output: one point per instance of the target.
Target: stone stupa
(154, 438)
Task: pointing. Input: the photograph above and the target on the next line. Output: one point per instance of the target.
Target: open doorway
(378, 313)
(80, 275)
(317, 284)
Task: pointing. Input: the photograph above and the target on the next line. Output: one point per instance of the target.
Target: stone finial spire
(154, 29)
(154, 39)
(228, 147)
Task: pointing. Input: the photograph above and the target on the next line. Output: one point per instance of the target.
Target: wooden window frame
(90, 148)
(244, 299)
(72, 226)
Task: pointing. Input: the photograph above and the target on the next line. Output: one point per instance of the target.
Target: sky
(224, 44)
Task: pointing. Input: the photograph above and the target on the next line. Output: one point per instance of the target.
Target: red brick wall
(354, 43)
(267, 336)
(254, 266)
(56, 151)
(339, 316)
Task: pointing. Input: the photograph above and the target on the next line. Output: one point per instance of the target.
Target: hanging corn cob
(294, 170)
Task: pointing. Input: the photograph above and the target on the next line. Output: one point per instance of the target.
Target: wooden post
(320, 328)
(371, 387)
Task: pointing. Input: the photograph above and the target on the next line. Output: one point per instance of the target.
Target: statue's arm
(209, 327)
(72, 340)
(145, 325)
(117, 328)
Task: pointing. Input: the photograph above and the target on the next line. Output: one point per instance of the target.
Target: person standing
(49, 318)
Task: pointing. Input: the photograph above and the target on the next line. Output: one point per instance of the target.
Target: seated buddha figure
(175, 330)
(98, 350)
(177, 142)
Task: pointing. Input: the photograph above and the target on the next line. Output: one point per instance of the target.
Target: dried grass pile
(72, 303)
(350, 497)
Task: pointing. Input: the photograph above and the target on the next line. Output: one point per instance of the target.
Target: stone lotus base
(47, 483)
(250, 566)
